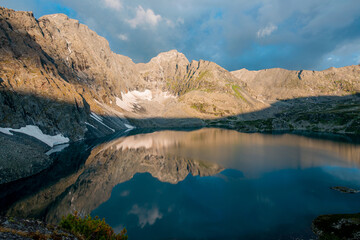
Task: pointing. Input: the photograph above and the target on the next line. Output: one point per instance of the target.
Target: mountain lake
(195, 183)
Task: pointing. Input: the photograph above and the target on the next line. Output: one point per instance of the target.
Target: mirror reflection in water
(201, 184)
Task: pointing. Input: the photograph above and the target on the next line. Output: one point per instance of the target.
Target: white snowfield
(131, 99)
(35, 132)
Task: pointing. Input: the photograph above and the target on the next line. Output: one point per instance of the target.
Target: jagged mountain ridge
(274, 84)
(56, 72)
(61, 76)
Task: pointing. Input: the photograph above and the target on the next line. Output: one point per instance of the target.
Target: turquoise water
(279, 205)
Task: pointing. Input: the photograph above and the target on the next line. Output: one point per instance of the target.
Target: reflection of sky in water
(257, 186)
(272, 187)
(280, 203)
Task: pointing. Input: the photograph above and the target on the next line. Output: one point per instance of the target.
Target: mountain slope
(39, 87)
(60, 76)
(276, 84)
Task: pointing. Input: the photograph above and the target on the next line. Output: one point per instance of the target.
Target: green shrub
(236, 89)
(91, 228)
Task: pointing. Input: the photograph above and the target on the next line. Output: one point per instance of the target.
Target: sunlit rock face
(275, 84)
(61, 78)
(56, 74)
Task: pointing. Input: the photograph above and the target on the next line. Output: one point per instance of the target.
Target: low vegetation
(90, 228)
(236, 89)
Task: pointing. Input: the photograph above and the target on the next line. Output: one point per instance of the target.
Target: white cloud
(144, 17)
(311, 30)
(146, 216)
(123, 37)
(266, 31)
(357, 59)
(115, 4)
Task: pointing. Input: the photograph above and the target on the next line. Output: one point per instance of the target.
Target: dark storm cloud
(235, 34)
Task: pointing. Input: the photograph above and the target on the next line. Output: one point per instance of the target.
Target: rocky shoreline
(24, 229)
(21, 156)
(337, 226)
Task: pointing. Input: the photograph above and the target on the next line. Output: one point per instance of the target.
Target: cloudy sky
(256, 34)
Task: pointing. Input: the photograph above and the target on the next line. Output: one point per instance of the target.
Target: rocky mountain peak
(172, 56)
(55, 67)
(9, 13)
(57, 17)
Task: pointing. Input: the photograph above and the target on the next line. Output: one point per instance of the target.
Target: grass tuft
(91, 228)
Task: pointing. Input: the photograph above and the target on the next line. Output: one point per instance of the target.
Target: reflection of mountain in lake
(107, 166)
(252, 154)
(171, 155)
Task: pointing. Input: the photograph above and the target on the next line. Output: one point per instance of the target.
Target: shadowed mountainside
(332, 114)
(61, 77)
(73, 70)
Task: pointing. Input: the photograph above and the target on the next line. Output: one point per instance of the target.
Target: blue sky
(235, 34)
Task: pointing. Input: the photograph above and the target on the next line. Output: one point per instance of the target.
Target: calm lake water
(201, 184)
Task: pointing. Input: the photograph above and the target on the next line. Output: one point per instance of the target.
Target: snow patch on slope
(129, 126)
(90, 125)
(100, 120)
(131, 99)
(160, 97)
(57, 148)
(35, 132)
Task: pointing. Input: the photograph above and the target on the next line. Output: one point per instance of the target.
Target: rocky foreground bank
(21, 229)
(71, 227)
(21, 156)
(337, 226)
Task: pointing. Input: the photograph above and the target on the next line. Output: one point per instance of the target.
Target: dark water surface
(202, 184)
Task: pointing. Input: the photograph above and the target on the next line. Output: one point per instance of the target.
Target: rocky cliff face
(61, 76)
(46, 83)
(316, 101)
